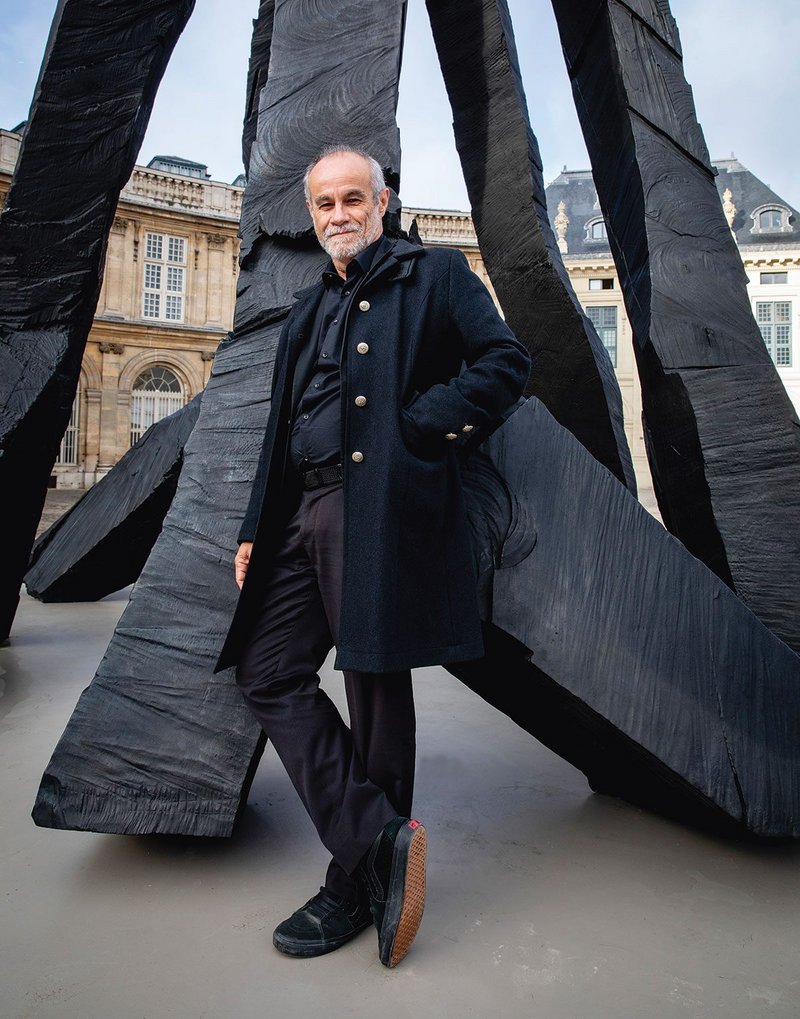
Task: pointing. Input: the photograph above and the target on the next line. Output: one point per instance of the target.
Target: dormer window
(771, 219)
(596, 230)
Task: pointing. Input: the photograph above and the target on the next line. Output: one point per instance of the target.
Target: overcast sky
(744, 74)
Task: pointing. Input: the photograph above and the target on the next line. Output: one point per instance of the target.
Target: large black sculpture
(84, 130)
(101, 544)
(722, 436)
(604, 636)
(572, 372)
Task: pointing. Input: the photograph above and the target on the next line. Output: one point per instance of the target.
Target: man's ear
(383, 200)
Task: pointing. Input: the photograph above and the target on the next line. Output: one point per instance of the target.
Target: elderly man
(356, 536)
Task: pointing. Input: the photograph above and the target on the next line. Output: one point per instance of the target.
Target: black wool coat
(423, 342)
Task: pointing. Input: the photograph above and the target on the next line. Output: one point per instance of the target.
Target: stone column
(109, 406)
(92, 443)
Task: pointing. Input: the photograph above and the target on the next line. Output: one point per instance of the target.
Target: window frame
(781, 354)
(602, 328)
(164, 265)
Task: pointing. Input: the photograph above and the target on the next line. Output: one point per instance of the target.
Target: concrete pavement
(544, 900)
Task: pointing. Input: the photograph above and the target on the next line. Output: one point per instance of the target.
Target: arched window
(68, 451)
(771, 219)
(156, 393)
(596, 230)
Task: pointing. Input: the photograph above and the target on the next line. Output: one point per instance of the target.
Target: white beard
(350, 241)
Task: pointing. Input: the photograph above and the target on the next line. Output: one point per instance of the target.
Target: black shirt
(317, 427)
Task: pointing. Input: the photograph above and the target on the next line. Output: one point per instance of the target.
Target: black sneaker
(394, 871)
(324, 924)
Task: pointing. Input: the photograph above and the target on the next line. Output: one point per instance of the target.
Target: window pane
(177, 248)
(154, 246)
(152, 276)
(599, 230)
(774, 277)
(771, 219)
(174, 279)
(174, 308)
(152, 305)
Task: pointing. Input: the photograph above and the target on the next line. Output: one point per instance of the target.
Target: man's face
(346, 216)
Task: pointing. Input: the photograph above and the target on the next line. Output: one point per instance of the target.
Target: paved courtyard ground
(545, 901)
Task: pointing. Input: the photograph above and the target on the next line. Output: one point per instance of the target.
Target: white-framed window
(596, 230)
(774, 277)
(156, 393)
(775, 322)
(604, 283)
(164, 277)
(68, 451)
(604, 319)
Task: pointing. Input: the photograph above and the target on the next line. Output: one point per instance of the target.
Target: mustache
(336, 231)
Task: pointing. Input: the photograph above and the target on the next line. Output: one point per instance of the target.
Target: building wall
(204, 214)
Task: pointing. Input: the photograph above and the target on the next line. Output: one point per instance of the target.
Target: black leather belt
(316, 477)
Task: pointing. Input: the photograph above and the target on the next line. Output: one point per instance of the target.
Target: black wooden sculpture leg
(572, 373)
(102, 543)
(618, 649)
(722, 436)
(154, 707)
(83, 134)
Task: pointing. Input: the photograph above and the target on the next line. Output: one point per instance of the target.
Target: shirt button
(362, 348)
(363, 305)
(316, 385)
(324, 354)
(336, 321)
(305, 417)
(361, 401)
(345, 293)
(357, 457)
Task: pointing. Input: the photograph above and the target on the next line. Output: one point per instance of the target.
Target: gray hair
(376, 179)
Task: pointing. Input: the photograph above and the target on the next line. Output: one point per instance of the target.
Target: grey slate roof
(179, 165)
(576, 189)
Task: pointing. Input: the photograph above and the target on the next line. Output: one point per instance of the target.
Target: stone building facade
(166, 301)
(169, 290)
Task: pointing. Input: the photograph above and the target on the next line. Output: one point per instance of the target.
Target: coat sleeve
(247, 531)
(496, 365)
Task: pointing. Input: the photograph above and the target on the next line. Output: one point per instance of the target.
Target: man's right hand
(242, 561)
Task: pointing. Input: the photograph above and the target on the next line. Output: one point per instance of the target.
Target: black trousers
(354, 780)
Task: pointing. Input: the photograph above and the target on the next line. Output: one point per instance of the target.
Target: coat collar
(398, 263)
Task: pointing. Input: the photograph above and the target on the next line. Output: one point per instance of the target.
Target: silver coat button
(361, 401)
(467, 428)
(451, 436)
(357, 457)
(363, 305)
(362, 348)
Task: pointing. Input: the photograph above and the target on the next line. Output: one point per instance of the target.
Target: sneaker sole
(406, 899)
